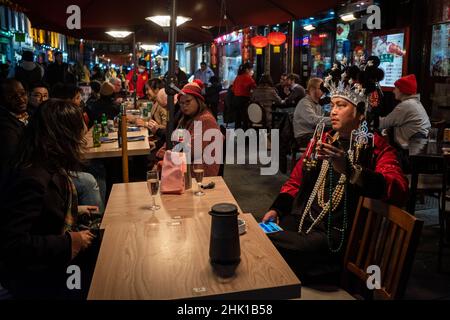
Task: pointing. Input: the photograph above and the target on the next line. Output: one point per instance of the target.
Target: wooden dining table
(111, 149)
(146, 255)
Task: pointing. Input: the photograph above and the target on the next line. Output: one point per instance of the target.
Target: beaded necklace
(333, 202)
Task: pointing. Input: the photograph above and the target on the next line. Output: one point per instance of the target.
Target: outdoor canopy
(98, 16)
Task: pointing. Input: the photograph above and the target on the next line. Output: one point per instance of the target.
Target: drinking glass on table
(153, 187)
(432, 135)
(198, 172)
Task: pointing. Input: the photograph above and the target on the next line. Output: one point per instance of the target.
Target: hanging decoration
(246, 52)
(276, 39)
(259, 42)
(213, 53)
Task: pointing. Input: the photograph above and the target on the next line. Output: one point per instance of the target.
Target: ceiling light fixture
(118, 34)
(348, 17)
(309, 27)
(149, 47)
(164, 21)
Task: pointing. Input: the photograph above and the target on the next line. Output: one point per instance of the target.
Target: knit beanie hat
(107, 89)
(407, 84)
(194, 88)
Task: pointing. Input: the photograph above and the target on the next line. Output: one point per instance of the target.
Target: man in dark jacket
(58, 71)
(105, 105)
(182, 77)
(13, 117)
(297, 91)
(28, 72)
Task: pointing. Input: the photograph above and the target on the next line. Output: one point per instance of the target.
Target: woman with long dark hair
(39, 237)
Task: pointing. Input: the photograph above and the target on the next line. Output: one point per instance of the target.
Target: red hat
(194, 89)
(407, 85)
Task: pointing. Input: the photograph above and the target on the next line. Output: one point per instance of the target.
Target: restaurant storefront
(229, 56)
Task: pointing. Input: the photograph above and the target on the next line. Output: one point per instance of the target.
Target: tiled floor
(255, 193)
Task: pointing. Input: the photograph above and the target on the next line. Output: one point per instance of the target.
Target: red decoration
(213, 54)
(276, 38)
(259, 42)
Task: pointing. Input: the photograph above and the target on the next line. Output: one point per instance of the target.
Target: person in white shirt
(204, 73)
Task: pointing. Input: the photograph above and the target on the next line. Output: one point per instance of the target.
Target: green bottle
(105, 130)
(145, 111)
(96, 132)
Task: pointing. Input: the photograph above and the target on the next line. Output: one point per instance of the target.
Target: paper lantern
(259, 42)
(276, 38)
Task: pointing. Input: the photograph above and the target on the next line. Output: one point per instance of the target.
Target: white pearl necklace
(320, 184)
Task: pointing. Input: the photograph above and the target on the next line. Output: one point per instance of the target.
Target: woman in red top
(242, 89)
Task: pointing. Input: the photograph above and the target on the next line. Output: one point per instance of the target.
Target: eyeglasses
(40, 96)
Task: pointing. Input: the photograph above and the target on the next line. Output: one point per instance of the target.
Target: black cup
(224, 246)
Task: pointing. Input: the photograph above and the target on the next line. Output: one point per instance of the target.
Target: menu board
(390, 49)
(440, 50)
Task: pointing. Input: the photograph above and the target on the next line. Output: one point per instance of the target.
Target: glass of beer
(198, 172)
(153, 187)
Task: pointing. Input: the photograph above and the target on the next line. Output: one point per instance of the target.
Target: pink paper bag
(174, 168)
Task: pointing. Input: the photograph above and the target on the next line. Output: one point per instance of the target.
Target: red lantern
(259, 42)
(276, 38)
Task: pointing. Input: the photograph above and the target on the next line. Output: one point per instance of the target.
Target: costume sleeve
(387, 182)
(284, 200)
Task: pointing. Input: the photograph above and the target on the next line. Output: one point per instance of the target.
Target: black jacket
(11, 131)
(34, 250)
(59, 74)
(297, 94)
(104, 105)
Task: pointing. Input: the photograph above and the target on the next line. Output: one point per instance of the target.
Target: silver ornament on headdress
(350, 91)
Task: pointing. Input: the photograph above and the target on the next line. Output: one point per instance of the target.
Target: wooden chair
(444, 214)
(256, 116)
(382, 235)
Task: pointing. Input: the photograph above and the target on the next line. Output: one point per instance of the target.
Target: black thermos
(224, 246)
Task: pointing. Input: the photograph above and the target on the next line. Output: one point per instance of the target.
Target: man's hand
(153, 126)
(272, 215)
(335, 155)
(87, 210)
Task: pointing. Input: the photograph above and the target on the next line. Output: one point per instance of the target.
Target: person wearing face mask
(138, 76)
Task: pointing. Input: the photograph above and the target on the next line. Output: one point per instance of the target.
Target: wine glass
(198, 173)
(153, 187)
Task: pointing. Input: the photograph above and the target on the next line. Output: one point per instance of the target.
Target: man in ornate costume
(317, 204)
